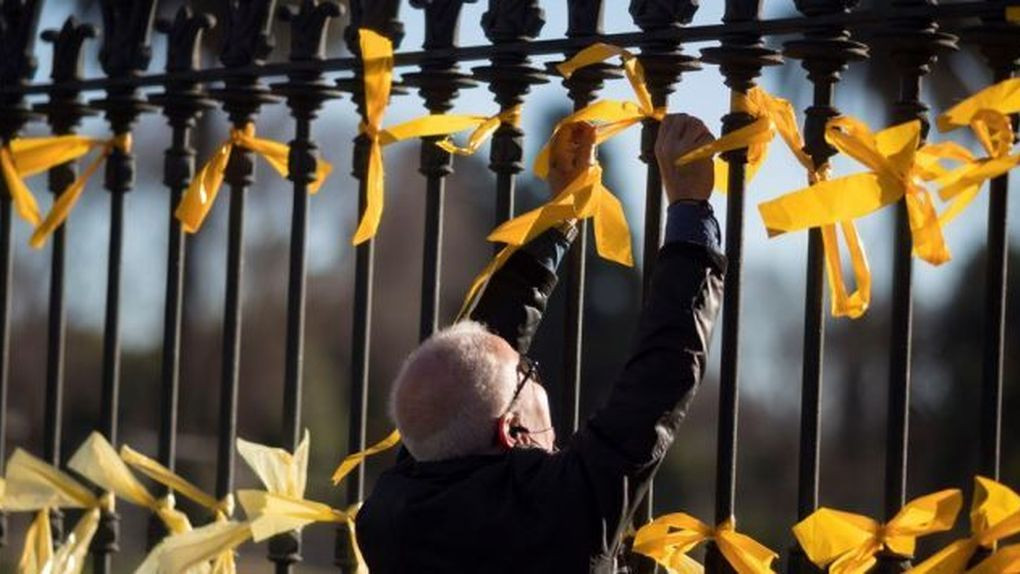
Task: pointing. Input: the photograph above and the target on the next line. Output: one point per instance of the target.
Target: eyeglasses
(527, 370)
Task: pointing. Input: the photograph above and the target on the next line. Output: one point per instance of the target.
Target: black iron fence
(823, 37)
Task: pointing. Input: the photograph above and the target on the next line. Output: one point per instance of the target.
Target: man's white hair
(451, 390)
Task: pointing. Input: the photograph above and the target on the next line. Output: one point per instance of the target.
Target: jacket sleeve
(516, 295)
(623, 444)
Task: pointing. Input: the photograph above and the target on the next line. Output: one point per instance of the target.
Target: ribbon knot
(847, 542)
(897, 170)
(669, 538)
(771, 116)
(34, 485)
(994, 515)
(67, 148)
(205, 186)
(987, 115)
(377, 76)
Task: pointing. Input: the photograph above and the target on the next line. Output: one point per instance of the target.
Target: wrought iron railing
(825, 38)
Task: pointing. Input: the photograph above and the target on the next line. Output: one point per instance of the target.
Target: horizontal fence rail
(826, 39)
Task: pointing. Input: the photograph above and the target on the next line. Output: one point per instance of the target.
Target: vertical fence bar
(63, 112)
(381, 17)
(663, 62)
(182, 102)
(438, 83)
(125, 53)
(914, 43)
(740, 59)
(824, 54)
(584, 21)
(17, 31)
(247, 43)
(510, 77)
(305, 93)
(999, 42)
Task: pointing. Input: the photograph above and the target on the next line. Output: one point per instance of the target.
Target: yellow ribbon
(377, 73)
(485, 126)
(771, 115)
(1006, 560)
(60, 150)
(25, 157)
(163, 475)
(898, 170)
(586, 196)
(351, 461)
(1013, 14)
(848, 542)
(221, 509)
(669, 538)
(34, 485)
(583, 198)
(97, 461)
(994, 515)
(205, 186)
(986, 112)
(280, 507)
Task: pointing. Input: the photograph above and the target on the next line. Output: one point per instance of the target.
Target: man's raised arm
(624, 442)
(515, 297)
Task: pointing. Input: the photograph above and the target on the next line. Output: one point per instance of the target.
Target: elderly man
(479, 486)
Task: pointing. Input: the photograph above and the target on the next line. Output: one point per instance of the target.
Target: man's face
(530, 412)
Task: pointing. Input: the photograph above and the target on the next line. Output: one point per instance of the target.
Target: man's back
(489, 513)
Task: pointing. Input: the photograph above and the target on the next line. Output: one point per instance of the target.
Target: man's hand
(679, 134)
(572, 152)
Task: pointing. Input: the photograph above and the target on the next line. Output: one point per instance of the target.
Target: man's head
(455, 396)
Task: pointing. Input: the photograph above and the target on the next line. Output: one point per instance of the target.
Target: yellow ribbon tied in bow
(586, 196)
(377, 74)
(97, 461)
(34, 485)
(205, 186)
(771, 115)
(847, 542)
(280, 507)
(986, 112)
(25, 157)
(898, 170)
(994, 515)
(220, 509)
(669, 538)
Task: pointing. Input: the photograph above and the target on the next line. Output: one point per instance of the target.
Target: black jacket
(532, 511)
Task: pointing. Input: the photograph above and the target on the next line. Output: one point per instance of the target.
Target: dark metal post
(510, 76)
(247, 43)
(18, 22)
(663, 62)
(64, 112)
(305, 93)
(824, 54)
(124, 54)
(381, 17)
(584, 21)
(914, 43)
(438, 82)
(1000, 44)
(182, 102)
(740, 58)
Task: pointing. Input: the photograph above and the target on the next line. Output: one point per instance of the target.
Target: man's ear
(505, 438)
